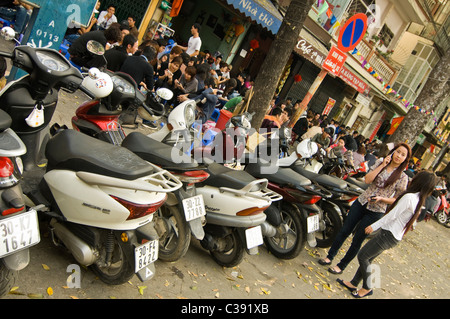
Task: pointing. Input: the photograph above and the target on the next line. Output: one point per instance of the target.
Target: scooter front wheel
(174, 235)
(290, 238)
(232, 253)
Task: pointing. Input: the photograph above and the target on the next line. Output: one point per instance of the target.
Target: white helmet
(98, 83)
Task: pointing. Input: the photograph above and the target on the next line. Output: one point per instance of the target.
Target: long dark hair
(423, 183)
(398, 172)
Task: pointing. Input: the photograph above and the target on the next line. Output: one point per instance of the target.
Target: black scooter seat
(76, 151)
(221, 176)
(283, 176)
(357, 182)
(158, 153)
(321, 179)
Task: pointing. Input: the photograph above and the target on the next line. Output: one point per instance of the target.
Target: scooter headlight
(189, 114)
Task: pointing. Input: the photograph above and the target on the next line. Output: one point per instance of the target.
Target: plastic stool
(6, 23)
(215, 115)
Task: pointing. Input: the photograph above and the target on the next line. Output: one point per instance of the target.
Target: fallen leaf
(35, 296)
(45, 267)
(50, 291)
(217, 295)
(265, 291)
(141, 289)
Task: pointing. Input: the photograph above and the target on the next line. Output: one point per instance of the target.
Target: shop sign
(334, 61)
(308, 51)
(355, 82)
(329, 106)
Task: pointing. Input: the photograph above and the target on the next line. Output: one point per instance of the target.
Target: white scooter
(98, 198)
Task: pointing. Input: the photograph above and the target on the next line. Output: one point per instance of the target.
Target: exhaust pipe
(81, 251)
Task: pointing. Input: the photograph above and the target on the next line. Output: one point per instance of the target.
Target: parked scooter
(99, 198)
(99, 118)
(442, 213)
(19, 227)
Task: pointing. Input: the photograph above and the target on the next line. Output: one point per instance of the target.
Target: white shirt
(194, 44)
(102, 22)
(396, 220)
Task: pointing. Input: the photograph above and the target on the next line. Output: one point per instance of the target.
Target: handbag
(36, 117)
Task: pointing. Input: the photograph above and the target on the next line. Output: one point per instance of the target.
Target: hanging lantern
(238, 29)
(297, 78)
(254, 44)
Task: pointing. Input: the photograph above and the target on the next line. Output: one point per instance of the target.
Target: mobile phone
(372, 198)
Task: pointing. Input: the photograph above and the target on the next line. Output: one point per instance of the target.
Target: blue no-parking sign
(352, 32)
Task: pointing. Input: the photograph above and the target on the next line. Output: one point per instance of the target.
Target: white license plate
(19, 232)
(146, 254)
(253, 237)
(194, 207)
(313, 223)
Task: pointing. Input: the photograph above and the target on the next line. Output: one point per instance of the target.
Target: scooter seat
(321, 179)
(157, 153)
(221, 176)
(283, 176)
(76, 151)
(357, 182)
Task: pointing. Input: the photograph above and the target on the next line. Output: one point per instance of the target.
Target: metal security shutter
(330, 87)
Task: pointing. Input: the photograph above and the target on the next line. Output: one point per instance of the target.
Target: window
(385, 35)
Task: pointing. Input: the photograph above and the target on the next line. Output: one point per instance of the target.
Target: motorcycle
(19, 226)
(442, 213)
(97, 198)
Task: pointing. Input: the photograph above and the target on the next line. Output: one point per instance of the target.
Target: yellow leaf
(13, 289)
(265, 291)
(217, 295)
(50, 291)
(74, 297)
(141, 289)
(36, 296)
(45, 267)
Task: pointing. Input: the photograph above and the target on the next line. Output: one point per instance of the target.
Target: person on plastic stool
(12, 10)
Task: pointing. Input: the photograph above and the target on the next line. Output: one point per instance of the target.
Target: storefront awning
(262, 12)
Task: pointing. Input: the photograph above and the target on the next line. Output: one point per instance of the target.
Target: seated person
(323, 139)
(168, 73)
(204, 111)
(79, 53)
(14, 11)
(276, 119)
(140, 69)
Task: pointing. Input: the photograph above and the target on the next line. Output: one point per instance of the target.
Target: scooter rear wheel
(119, 270)
(8, 278)
(232, 254)
(290, 238)
(174, 241)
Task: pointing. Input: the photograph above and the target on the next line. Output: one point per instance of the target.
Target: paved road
(417, 268)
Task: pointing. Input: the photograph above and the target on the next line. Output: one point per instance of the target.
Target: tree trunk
(435, 90)
(277, 58)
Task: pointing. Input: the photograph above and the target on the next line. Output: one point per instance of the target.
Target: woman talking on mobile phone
(397, 221)
(386, 181)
